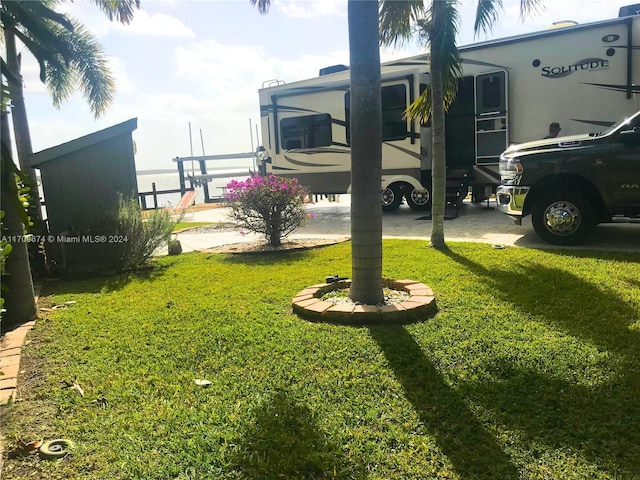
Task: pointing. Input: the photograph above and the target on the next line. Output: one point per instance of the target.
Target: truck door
(623, 167)
(492, 121)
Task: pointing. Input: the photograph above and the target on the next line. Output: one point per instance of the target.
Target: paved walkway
(475, 223)
(10, 347)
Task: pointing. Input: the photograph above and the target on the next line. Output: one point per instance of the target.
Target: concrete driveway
(475, 223)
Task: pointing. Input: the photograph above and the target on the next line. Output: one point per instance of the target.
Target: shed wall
(83, 185)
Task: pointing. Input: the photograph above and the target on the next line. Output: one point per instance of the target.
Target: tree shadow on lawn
(265, 258)
(619, 256)
(284, 441)
(474, 453)
(603, 421)
(100, 283)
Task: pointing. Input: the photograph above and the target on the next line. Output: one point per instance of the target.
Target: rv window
(491, 93)
(394, 103)
(306, 132)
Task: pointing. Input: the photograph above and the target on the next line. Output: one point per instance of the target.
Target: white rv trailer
(585, 77)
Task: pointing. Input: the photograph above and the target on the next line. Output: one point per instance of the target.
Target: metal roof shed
(81, 179)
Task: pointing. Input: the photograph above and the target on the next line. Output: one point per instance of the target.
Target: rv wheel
(391, 198)
(419, 200)
(563, 218)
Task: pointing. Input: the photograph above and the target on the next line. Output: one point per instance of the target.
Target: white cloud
(510, 23)
(309, 9)
(54, 131)
(119, 73)
(143, 23)
(88, 14)
(157, 24)
(30, 70)
(388, 54)
(217, 67)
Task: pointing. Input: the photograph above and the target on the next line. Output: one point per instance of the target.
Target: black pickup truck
(571, 184)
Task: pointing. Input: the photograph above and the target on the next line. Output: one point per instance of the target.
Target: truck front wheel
(563, 218)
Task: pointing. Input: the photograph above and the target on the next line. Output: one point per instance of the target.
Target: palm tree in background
(437, 21)
(69, 57)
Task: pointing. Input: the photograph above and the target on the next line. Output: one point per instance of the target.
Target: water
(171, 181)
(163, 181)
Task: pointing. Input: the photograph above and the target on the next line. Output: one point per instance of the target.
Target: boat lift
(206, 176)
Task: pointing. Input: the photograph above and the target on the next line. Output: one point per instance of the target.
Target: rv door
(492, 119)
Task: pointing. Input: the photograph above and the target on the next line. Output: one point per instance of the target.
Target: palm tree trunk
(21, 124)
(24, 149)
(366, 152)
(439, 167)
(17, 282)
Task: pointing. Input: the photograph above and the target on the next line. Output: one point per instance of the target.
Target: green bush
(137, 239)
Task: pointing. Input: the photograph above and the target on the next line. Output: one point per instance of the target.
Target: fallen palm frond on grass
(530, 370)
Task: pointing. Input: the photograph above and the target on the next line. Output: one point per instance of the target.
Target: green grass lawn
(186, 225)
(530, 370)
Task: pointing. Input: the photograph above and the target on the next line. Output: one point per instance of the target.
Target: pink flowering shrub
(269, 205)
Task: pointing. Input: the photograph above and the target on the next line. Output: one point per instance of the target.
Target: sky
(200, 63)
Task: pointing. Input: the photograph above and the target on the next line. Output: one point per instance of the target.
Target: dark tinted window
(491, 90)
(394, 103)
(306, 132)
(490, 93)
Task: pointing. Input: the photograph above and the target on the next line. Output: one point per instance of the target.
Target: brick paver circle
(419, 306)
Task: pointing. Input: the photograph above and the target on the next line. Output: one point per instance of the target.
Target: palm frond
(487, 15)
(69, 56)
(44, 10)
(447, 41)
(488, 11)
(9, 173)
(44, 53)
(36, 25)
(120, 10)
(263, 5)
(90, 68)
(33, 25)
(61, 82)
(530, 7)
(443, 37)
(421, 108)
(30, 13)
(397, 20)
